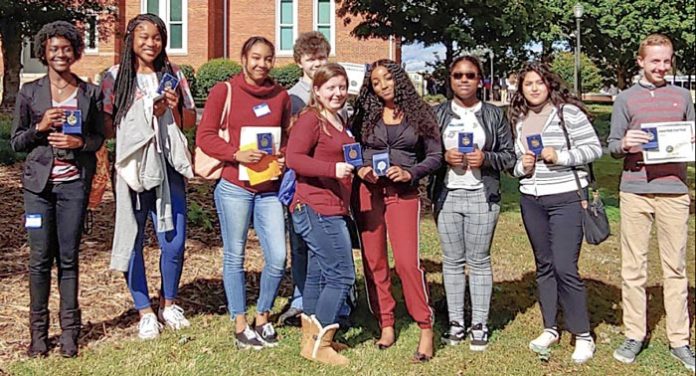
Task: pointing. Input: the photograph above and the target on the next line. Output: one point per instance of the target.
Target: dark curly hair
(58, 29)
(559, 94)
(369, 107)
(125, 84)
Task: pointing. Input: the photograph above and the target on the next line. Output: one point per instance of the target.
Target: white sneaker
(584, 350)
(173, 316)
(149, 327)
(544, 341)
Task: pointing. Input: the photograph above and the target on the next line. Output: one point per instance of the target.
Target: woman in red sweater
(257, 101)
(319, 210)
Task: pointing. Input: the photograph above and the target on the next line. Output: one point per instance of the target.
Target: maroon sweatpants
(384, 208)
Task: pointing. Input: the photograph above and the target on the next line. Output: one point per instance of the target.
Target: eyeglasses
(469, 75)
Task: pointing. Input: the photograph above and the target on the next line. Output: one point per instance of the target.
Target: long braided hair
(126, 81)
(369, 107)
(559, 94)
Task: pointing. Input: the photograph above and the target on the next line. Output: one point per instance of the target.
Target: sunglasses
(469, 75)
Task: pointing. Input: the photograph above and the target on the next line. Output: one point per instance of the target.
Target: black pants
(56, 235)
(554, 227)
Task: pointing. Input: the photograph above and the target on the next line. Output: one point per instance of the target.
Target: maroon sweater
(244, 98)
(313, 155)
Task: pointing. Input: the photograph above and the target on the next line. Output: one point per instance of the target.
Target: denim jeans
(172, 243)
(235, 206)
(330, 269)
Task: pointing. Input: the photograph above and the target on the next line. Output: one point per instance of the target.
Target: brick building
(200, 30)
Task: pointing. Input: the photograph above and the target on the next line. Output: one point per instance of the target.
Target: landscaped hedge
(287, 76)
(212, 72)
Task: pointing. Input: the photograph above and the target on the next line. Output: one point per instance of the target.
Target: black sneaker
(478, 334)
(267, 334)
(455, 335)
(248, 339)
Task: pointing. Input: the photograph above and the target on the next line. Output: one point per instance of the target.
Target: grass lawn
(207, 347)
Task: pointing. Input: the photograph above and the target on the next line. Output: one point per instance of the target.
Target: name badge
(262, 110)
(653, 144)
(380, 163)
(73, 122)
(353, 154)
(32, 221)
(535, 144)
(264, 142)
(466, 142)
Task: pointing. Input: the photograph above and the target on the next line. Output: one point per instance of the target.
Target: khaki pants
(671, 215)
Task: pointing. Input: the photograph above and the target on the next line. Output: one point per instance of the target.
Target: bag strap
(581, 193)
(226, 108)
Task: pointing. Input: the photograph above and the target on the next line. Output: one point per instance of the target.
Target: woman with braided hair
(401, 139)
(152, 160)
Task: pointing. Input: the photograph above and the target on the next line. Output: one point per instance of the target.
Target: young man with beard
(652, 193)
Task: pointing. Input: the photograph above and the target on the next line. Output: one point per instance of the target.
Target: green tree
(20, 19)
(611, 31)
(458, 24)
(564, 65)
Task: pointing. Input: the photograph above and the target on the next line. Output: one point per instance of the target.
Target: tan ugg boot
(309, 330)
(322, 350)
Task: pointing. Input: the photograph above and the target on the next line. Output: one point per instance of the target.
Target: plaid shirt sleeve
(107, 88)
(185, 88)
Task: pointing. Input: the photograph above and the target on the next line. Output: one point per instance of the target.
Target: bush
(5, 127)
(287, 76)
(190, 75)
(564, 65)
(212, 72)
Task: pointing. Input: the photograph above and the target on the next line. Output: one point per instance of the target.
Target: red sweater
(313, 155)
(244, 98)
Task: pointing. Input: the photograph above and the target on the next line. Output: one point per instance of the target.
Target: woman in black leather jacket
(466, 193)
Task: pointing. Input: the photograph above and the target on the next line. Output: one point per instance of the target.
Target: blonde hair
(322, 76)
(654, 40)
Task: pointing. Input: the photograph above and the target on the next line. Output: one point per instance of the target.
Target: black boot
(70, 323)
(38, 325)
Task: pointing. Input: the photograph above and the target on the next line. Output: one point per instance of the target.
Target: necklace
(60, 89)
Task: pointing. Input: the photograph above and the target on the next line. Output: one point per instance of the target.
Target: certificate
(673, 142)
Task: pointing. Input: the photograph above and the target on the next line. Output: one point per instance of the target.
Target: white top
(458, 177)
(148, 84)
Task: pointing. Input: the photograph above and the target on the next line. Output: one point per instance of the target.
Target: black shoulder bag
(594, 218)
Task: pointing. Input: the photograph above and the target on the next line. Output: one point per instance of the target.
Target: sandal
(381, 346)
(419, 357)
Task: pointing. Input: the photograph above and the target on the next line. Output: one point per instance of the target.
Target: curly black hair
(58, 29)
(559, 94)
(125, 84)
(369, 107)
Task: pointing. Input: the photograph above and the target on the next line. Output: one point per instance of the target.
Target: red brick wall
(205, 30)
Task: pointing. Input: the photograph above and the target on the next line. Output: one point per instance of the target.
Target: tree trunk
(621, 78)
(11, 55)
(449, 58)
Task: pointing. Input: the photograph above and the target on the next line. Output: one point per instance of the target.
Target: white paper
(247, 135)
(356, 76)
(674, 141)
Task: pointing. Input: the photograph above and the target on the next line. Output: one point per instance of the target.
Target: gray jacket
(144, 146)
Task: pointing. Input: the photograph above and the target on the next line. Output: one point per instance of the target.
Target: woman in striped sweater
(550, 171)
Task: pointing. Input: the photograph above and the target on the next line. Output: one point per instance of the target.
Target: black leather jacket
(499, 152)
(33, 100)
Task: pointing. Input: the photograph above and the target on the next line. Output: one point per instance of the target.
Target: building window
(325, 21)
(286, 19)
(174, 15)
(91, 36)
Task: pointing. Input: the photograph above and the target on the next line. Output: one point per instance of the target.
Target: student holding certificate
(57, 177)
(466, 192)
(147, 120)
(256, 102)
(401, 145)
(652, 193)
(550, 172)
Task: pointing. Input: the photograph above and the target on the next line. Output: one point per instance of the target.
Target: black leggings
(554, 227)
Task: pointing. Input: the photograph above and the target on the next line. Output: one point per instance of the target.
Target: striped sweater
(548, 179)
(646, 103)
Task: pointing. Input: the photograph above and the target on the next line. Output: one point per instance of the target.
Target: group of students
(334, 198)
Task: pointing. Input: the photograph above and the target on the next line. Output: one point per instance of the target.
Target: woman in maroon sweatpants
(401, 145)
